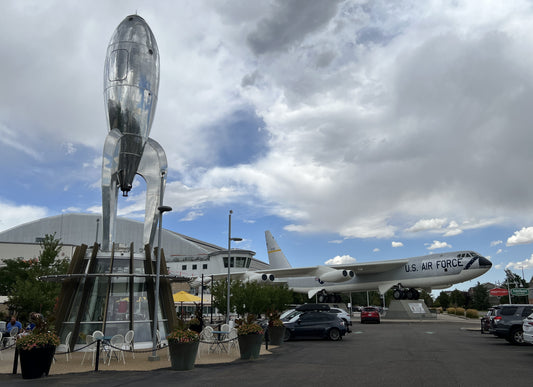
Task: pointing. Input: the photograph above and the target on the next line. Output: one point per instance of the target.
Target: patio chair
(12, 338)
(128, 342)
(117, 343)
(208, 339)
(233, 338)
(65, 347)
(91, 348)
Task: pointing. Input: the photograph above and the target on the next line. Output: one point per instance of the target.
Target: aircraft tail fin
(276, 258)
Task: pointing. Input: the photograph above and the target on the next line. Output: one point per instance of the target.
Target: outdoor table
(219, 344)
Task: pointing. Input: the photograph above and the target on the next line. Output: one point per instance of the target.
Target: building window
(183, 267)
(194, 267)
(204, 266)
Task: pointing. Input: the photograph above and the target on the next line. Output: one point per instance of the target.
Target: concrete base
(154, 358)
(410, 310)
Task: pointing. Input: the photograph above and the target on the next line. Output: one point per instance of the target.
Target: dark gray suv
(507, 322)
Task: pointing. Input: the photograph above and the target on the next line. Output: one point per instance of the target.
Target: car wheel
(287, 335)
(334, 334)
(516, 336)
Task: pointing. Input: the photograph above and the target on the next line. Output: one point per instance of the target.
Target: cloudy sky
(352, 130)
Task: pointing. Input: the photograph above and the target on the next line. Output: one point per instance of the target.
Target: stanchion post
(15, 360)
(97, 355)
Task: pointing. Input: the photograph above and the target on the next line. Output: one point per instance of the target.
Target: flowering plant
(37, 340)
(40, 337)
(183, 336)
(249, 329)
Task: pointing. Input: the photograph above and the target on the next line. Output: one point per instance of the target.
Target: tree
(513, 280)
(480, 298)
(251, 297)
(458, 298)
(443, 300)
(20, 278)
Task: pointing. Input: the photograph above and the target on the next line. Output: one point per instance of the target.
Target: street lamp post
(161, 209)
(229, 264)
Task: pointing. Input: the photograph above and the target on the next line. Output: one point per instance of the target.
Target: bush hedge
(460, 311)
(472, 313)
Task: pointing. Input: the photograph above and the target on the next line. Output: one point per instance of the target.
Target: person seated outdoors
(11, 324)
(31, 325)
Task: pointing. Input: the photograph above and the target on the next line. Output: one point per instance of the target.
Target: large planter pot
(36, 362)
(250, 345)
(275, 335)
(183, 355)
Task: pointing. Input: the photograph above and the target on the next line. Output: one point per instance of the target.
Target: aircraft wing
(357, 268)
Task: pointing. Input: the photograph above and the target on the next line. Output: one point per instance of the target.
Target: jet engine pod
(262, 278)
(336, 276)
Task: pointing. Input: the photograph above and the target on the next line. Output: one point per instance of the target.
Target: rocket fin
(153, 169)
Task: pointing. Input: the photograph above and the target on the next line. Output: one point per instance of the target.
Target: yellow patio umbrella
(185, 297)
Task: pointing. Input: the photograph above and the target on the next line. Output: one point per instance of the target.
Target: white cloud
(524, 236)
(525, 264)
(499, 251)
(336, 241)
(191, 215)
(15, 215)
(438, 245)
(427, 225)
(495, 243)
(376, 250)
(340, 260)
(397, 244)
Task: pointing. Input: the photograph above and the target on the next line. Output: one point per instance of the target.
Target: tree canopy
(19, 280)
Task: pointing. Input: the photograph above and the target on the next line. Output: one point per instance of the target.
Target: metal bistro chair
(117, 343)
(91, 348)
(233, 338)
(99, 335)
(208, 339)
(12, 338)
(65, 347)
(128, 342)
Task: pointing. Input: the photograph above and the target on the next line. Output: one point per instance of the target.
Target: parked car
(342, 314)
(315, 325)
(486, 319)
(370, 314)
(527, 328)
(508, 322)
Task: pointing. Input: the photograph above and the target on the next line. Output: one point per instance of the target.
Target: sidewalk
(140, 363)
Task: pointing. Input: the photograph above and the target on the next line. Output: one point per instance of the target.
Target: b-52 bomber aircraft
(405, 276)
(428, 272)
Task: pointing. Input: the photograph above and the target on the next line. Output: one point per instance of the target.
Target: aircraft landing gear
(406, 294)
(324, 297)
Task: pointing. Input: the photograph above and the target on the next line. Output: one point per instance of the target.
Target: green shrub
(472, 313)
(450, 310)
(460, 311)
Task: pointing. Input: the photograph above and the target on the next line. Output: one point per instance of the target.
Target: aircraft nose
(484, 263)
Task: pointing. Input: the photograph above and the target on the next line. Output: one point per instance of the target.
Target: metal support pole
(229, 266)
(161, 209)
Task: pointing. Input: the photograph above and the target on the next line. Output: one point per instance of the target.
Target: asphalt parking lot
(438, 353)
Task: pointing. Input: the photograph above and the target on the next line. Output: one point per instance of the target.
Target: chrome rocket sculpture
(131, 83)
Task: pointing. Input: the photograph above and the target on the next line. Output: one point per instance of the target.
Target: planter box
(183, 355)
(36, 362)
(275, 335)
(250, 346)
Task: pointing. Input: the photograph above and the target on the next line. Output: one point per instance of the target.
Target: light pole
(229, 264)
(161, 209)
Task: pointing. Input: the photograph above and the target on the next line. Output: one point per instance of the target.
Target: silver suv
(507, 322)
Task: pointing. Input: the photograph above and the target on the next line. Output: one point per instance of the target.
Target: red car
(369, 313)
